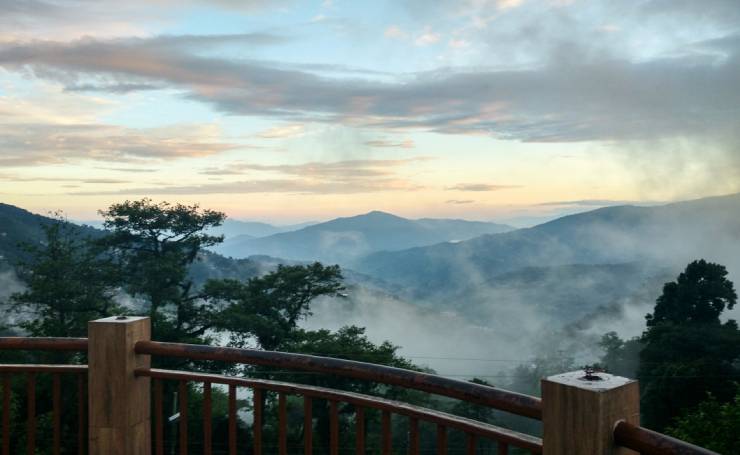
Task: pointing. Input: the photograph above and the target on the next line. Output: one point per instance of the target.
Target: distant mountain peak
(378, 214)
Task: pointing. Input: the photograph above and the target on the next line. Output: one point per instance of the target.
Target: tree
(699, 295)
(268, 308)
(621, 357)
(68, 283)
(349, 343)
(712, 425)
(154, 245)
(688, 352)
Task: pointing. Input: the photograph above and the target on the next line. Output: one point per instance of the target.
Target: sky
(288, 111)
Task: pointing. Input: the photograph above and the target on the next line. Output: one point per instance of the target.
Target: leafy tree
(621, 357)
(712, 425)
(67, 282)
(699, 295)
(268, 308)
(687, 350)
(349, 343)
(155, 244)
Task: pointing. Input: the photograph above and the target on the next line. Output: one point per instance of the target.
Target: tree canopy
(687, 350)
(68, 283)
(698, 296)
(154, 245)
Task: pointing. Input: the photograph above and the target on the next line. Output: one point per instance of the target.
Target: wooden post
(579, 412)
(118, 402)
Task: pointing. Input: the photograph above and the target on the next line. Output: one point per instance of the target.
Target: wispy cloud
(525, 104)
(459, 201)
(587, 203)
(427, 37)
(31, 144)
(282, 132)
(383, 143)
(298, 186)
(479, 187)
(395, 32)
(339, 177)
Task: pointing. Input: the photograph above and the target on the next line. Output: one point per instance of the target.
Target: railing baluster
(413, 436)
(387, 438)
(6, 414)
(334, 428)
(232, 420)
(81, 407)
(257, 424)
(441, 440)
(282, 424)
(360, 429)
(55, 398)
(307, 425)
(472, 441)
(183, 398)
(31, 413)
(207, 413)
(503, 448)
(158, 418)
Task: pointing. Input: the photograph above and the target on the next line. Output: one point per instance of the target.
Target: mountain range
(587, 270)
(668, 235)
(344, 240)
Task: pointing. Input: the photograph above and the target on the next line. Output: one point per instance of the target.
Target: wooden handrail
(482, 429)
(43, 344)
(504, 400)
(648, 442)
(628, 435)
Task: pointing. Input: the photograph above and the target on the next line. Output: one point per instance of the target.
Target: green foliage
(269, 307)
(154, 245)
(712, 424)
(699, 295)
(349, 343)
(687, 351)
(67, 284)
(621, 357)
(526, 377)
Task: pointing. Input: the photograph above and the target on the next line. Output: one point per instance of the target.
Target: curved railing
(473, 429)
(504, 400)
(626, 435)
(474, 393)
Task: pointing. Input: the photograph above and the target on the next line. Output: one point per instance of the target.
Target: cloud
(557, 102)
(105, 18)
(129, 169)
(44, 143)
(337, 170)
(508, 4)
(588, 203)
(427, 37)
(406, 143)
(283, 132)
(395, 32)
(479, 187)
(459, 201)
(298, 186)
(339, 177)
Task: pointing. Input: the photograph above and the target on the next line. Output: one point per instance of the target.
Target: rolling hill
(669, 235)
(344, 240)
(252, 229)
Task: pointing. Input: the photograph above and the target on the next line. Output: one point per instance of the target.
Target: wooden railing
(580, 416)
